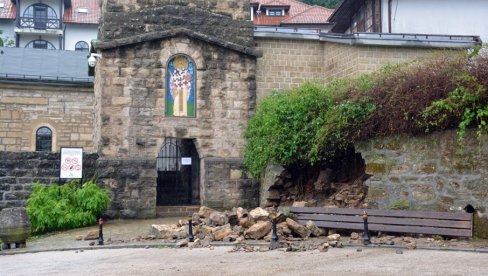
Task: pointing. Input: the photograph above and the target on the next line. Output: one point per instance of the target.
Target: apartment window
(82, 46)
(39, 16)
(275, 12)
(368, 17)
(40, 44)
(44, 139)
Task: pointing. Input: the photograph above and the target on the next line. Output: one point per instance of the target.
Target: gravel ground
(219, 261)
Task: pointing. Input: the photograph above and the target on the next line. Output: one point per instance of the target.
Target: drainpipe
(61, 19)
(389, 15)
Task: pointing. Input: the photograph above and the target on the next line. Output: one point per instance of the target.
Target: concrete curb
(228, 244)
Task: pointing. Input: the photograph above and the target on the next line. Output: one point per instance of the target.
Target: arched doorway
(178, 166)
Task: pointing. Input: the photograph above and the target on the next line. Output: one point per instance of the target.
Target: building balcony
(39, 23)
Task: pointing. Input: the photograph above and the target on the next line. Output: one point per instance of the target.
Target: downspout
(61, 21)
(17, 22)
(389, 15)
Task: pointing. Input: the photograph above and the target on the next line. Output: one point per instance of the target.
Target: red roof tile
(314, 15)
(299, 13)
(8, 11)
(72, 15)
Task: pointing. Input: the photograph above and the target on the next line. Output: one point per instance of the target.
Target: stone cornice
(105, 45)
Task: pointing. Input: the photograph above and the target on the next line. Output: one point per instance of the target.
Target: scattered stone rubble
(240, 227)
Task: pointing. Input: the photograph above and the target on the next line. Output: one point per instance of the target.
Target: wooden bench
(412, 222)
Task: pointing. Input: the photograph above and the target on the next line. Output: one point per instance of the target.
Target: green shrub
(315, 123)
(65, 207)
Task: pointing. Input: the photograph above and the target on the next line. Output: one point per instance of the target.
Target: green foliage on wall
(65, 207)
(331, 4)
(314, 123)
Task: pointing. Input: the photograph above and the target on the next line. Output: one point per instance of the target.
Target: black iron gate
(175, 164)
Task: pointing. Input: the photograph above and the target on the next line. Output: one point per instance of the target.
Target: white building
(444, 17)
(50, 24)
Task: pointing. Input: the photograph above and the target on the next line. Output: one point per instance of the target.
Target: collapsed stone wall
(339, 184)
(18, 170)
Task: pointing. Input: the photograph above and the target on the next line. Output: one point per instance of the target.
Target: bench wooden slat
(383, 213)
(393, 228)
(386, 220)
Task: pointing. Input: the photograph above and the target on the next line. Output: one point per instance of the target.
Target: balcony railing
(41, 23)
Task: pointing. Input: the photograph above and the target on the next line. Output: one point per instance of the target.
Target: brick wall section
(431, 172)
(18, 170)
(288, 63)
(68, 111)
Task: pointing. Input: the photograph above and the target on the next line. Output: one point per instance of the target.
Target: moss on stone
(401, 204)
(377, 192)
(375, 168)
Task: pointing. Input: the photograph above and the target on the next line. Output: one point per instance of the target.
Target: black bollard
(190, 229)
(274, 236)
(100, 231)
(366, 236)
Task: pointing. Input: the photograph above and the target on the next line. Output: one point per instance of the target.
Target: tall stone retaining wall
(18, 170)
(429, 172)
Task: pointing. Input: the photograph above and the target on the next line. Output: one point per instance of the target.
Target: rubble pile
(236, 226)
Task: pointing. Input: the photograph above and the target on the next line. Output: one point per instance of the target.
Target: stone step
(176, 211)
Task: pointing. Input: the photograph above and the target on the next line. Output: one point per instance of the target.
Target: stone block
(24, 100)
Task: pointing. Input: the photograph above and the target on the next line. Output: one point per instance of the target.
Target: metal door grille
(169, 158)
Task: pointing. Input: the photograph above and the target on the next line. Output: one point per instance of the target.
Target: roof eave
(106, 45)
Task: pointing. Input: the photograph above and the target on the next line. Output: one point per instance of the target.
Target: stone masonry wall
(288, 63)
(220, 193)
(131, 185)
(131, 122)
(18, 170)
(222, 19)
(431, 172)
(66, 110)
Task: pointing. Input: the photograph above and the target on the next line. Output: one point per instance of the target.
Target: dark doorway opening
(178, 166)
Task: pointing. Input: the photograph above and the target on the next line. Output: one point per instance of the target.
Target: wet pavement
(115, 232)
(136, 234)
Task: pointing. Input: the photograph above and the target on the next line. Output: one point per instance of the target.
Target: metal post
(100, 231)
(274, 236)
(190, 229)
(366, 236)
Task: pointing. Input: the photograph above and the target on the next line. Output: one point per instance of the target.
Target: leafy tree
(6, 42)
(331, 4)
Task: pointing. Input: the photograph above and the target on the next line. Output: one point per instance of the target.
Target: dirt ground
(220, 261)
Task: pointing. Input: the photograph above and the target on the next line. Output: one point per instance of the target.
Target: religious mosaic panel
(180, 87)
